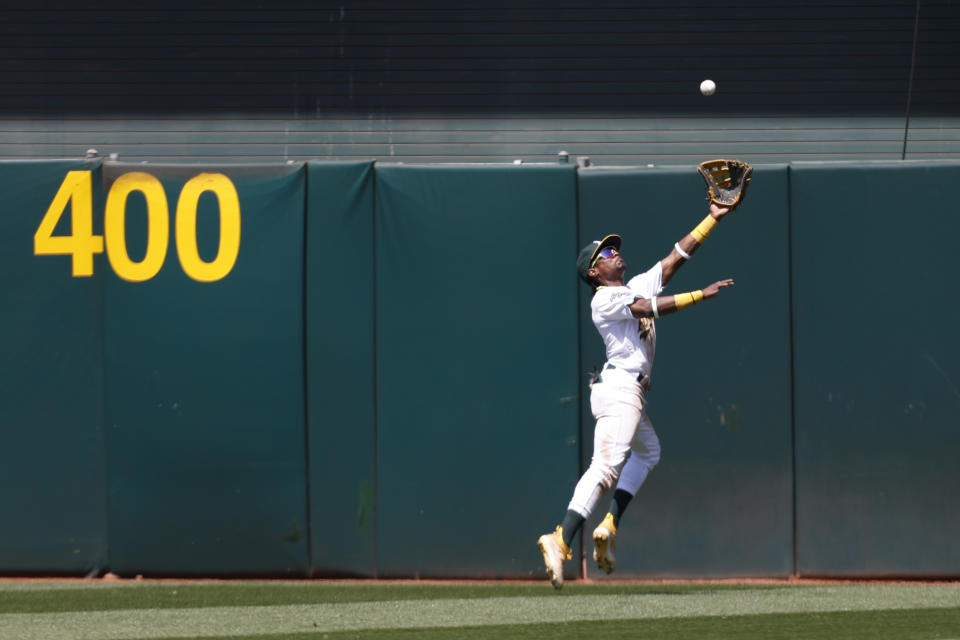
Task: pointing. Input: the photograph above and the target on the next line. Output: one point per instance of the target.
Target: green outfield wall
(380, 370)
(204, 410)
(479, 442)
(876, 361)
(341, 407)
(52, 453)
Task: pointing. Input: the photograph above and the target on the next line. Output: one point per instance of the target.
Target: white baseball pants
(625, 446)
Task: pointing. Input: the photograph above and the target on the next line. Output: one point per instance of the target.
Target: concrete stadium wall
(431, 81)
(370, 369)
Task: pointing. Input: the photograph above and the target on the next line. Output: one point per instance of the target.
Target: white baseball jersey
(630, 342)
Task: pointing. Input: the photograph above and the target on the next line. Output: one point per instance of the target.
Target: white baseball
(708, 87)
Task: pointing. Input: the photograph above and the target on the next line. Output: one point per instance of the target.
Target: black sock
(571, 524)
(619, 504)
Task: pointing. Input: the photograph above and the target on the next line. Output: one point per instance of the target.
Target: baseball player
(625, 446)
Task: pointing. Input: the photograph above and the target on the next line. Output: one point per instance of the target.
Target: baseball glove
(727, 181)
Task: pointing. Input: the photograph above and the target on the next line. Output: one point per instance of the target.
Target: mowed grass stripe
(909, 624)
(449, 613)
(40, 597)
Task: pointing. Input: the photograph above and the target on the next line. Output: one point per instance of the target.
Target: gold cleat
(605, 544)
(554, 551)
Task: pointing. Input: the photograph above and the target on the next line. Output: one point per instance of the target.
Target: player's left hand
(717, 211)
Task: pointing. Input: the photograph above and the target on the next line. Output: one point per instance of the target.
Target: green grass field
(280, 610)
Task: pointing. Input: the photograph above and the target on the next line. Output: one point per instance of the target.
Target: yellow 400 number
(77, 190)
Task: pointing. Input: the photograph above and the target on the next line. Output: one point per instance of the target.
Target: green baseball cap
(589, 253)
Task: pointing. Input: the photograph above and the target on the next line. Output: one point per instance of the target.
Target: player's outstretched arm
(664, 305)
(689, 243)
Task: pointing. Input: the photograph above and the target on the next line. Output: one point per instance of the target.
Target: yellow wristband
(682, 300)
(703, 229)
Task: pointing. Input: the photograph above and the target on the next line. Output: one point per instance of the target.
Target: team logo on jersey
(645, 328)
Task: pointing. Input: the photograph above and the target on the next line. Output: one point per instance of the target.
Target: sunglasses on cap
(606, 252)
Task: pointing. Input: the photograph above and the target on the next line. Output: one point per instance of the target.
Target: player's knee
(608, 477)
(603, 475)
(651, 456)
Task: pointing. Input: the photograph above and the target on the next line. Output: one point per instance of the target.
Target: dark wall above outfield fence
(380, 369)
(490, 81)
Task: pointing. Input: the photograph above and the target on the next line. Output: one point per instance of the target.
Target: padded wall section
(719, 502)
(340, 371)
(205, 418)
(877, 369)
(52, 493)
(476, 366)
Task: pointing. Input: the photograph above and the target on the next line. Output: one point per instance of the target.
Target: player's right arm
(664, 305)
